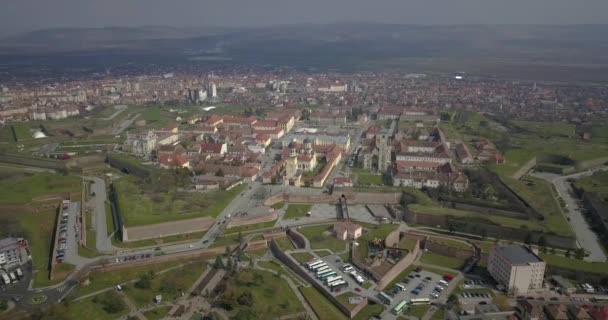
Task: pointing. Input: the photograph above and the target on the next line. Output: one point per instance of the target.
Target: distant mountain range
(339, 44)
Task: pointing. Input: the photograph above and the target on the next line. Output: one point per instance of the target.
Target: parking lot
(417, 285)
(68, 233)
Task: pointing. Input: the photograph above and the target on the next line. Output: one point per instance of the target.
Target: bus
(420, 301)
(6, 279)
(318, 266)
(309, 264)
(322, 269)
(385, 298)
(328, 275)
(400, 286)
(319, 274)
(314, 264)
(400, 308)
(332, 279)
(338, 285)
(330, 283)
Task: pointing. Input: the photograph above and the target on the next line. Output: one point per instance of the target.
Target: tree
(3, 305)
(240, 238)
(144, 282)
(227, 251)
(528, 238)
(543, 249)
(219, 173)
(229, 264)
(218, 264)
(542, 241)
(579, 254)
(111, 302)
(245, 299)
(567, 254)
(552, 250)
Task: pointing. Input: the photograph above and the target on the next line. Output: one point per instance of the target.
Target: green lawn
(186, 237)
(417, 311)
(90, 250)
(169, 284)
(19, 187)
(102, 280)
(324, 309)
(539, 194)
(302, 257)
(407, 243)
(109, 221)
(322, 237)
(451, 243)
(439, 314)
(296, 211)
(278, 205)
(370, 179)
(322, 253)
(598, 183)
(442, 261)
(369, 311)
(87, 309)
(276, 266)
(573, 264)
(227, 240)
(547, 128)
(139, 208)
(273, 296)
(284, 244)
(251, 227)
(158, 313)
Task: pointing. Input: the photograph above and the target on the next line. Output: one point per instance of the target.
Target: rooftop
(518, 255)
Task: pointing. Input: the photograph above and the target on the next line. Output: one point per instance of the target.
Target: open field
(370, 179)
(452, 243)
(102, 280)
(158, 313)
(302, 257)
(140, 208)
(295, 210)
(276, 266)
(324, 309)
(369, 311)
(251, 227)
(573, 264)
(322, 237)
(19, 187)
(272, 297)
(170, 284)
(441, 261)
(598, 183)
(284, 244)
(185, 237)
(547, 129)
(87, 309)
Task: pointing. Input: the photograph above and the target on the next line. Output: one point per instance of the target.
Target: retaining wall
(253, 219)
(474, 227)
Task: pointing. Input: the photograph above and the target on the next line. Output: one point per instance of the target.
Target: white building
(517, 268)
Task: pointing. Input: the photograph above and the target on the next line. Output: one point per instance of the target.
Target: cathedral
(301, 158)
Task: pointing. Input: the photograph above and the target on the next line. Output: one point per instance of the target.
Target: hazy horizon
(30, 15)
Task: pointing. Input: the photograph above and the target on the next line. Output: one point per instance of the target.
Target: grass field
(87, 309)
(370, 179)
(138, 208)
(547, 128)
(442, 261)
(273, 297)
(573, 264)
(185, 237)
(296, 211)
(302, 257)
(19, 187)
(417, 311)
(276, 266)
(370, 310)
(598, 183)
(169, 284)
(102, 280)
(90, 250)
(227, 240)
(321, 237)
(284, 244)
(451, 243)
(324, 309)
(158, 313)
(278, 205)
(251, 227)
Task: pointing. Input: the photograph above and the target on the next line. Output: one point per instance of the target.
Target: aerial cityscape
(316, 170)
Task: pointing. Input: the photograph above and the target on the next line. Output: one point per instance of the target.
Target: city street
(586, 238)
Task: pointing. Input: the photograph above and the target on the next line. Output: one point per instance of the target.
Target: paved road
(125, 124)
(585, 237)
(103, 241)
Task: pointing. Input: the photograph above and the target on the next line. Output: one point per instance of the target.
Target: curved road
(585, 237)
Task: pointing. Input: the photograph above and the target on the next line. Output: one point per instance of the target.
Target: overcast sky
(25, 15)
